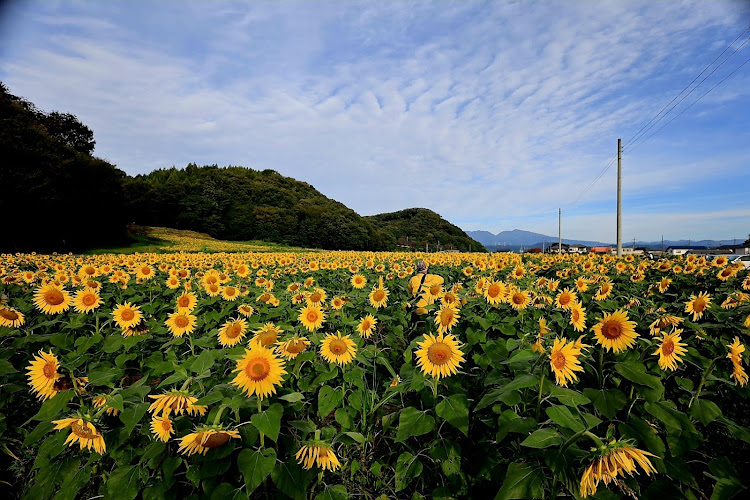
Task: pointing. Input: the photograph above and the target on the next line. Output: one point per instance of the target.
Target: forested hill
(420, 228)
(237, 203)
(57, 196)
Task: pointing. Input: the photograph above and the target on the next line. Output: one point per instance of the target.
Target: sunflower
(144, 272)
(258, 372)
(317, 298)
(187, 301)
(565, 298)
(290, 349)
(578, 317)
(614, 331)
(367, 325)
(446, 317)
(173, 282)
(86, 300)
(162, 427)
(246, 310)
(311, 317)
(266, 336)
(232, 332)
(319, 454)
(735, 355)
(180, 323)
(518, 299)
(177, 402)
(670, 350)
(358, 281)
(127, 315)
(663, 322)
(337, 303)
(439, 356)
(379, 297)
(52, 299)
(338, 349)
(616, 458)
(230, 293)
(664, 284)
(697, 305)
(205, 438)
(564, 361)
(495, 292)
(10, 317)
(43, 374)
(102, 401)
(84, 432)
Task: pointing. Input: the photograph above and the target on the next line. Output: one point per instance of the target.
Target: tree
(67, 129)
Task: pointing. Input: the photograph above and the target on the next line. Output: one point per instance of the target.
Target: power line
(601, 173)
(644, 129)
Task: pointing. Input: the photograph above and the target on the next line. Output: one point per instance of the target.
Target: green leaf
(523, 356)
(52, 406)
(291, 480)
(210, 398)
(542, 438)
(256, 466)
(568, 397)
(606, 401)
(103, 377)
(123, 483)
(408, 467)
(269, 421)
(328, 400)
(455, 410)
(293, 397)
(518, 383)
(6, 367)
(562, 416)
(635, 371)
(705, 411)
(203, 362)
(40, 430)
(226, 491)
(412, 422)
(643, 433)
(335, 492)
(355, 437)
(132, 415)
(522, 480)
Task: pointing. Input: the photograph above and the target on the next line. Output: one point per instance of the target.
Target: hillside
(424, 227)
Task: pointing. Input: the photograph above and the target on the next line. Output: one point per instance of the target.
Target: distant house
(553, 248)
(629, 251)
(682, 250)
(735, 249)
(601, 249)
(578, 249)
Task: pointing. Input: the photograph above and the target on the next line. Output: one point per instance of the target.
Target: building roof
(687, 247)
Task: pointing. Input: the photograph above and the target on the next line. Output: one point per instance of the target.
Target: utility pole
(559, 230)
(662, 243)
(633, 243)
(619, 197)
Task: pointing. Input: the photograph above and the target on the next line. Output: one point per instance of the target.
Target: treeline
(60, 197)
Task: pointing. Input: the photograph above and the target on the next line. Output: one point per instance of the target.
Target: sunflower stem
(187, 383)
(217, 418)
(601, 368)
(703, 381)
(539, 398)
(262, 437)
(594, 438)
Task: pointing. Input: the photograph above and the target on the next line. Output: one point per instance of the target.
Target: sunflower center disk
(88, 300)
(611, 330)
(127, 315)
(493, 291)
(699, 305)
(49, 370)
(312, 316)
(82, 431)
(181, 321)
(338, 347)
(54, 298)
(216, 440)
(439, 353)
(667, 348)
(378, 296)
(558, 359)
(258, 369)
(8, 314)
(234, 331)
(518, 299)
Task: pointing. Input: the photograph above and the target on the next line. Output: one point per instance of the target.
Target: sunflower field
(374, 375)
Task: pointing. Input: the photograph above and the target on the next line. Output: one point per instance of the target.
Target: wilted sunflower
(127, 315)
(162, 427)
(379, 297)
(205, 438)
(563, 360)
(83, 432)
(246, 310)
(697, 305)
(735, 355)
(614, 331)
(232, 332)
(663, 322)
(258, 372)
(439, 356)
(311, 317)
(617, 458)
(290, 349)
(446, 317)
(180, 323)
(266, 336)
(43, 374)
(670, 350)
(86, 300)
(319, 454)
(367, 325)
(11, 317)
(52, 299)
(338, 349)
(101, 401)
(186, 301)
(176, 402)
(578, 317)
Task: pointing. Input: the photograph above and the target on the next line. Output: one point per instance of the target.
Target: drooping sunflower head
(259, 371)
(10, 317)
(206, 438)
(176, 402)
(266, 336)
(670, 350)
(439, 356)
(446, 317)
(317, 453)
(617, 458)
(615, 332)
(83, 432)
(232, 332)
(43, 375)
(338, 349)
(290, 349)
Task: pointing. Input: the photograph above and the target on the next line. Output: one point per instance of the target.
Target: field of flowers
(329, 375)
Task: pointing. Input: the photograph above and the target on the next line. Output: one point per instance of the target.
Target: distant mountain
(420, 228)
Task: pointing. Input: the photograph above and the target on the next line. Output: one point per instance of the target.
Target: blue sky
(493, 114)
